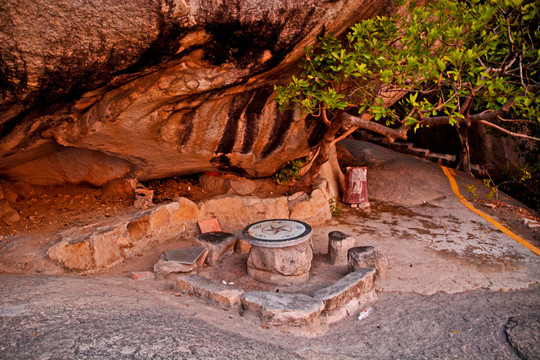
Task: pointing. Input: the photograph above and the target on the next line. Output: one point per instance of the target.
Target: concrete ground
(456, 288)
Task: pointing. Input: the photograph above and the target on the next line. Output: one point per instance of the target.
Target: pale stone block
(242, 186)
(287, 312)
(218, 293)
(218, 244)
(164, 267)
(74, 256)
(107, 247)
(275, 265)
(159, 218)
(367, 257)
(314, 210)
(351, 286)
(235, 212)
(183, 210)
(338, 245)
(139, 228)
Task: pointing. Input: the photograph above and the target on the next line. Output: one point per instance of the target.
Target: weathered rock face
(95, 91)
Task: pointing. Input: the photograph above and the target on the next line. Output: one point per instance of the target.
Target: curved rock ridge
(94, 91)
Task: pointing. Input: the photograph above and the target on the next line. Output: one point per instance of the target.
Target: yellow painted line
(448, 172)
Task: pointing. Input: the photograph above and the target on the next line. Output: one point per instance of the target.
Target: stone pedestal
(367, 257)
(338, 245)
(218, 244)
(281, 251)
(280, 266)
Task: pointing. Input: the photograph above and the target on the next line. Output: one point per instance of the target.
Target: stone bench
(218, 244)
(367, 257)
(338, 245)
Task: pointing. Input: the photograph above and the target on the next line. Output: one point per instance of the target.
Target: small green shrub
(335, 208)
(290, 172)
(472, 189)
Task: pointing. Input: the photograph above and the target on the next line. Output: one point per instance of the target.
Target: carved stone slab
(277, 233)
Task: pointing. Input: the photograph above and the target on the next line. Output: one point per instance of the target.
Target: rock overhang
(188, 96)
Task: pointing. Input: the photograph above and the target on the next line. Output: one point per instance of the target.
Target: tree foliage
(448, 62)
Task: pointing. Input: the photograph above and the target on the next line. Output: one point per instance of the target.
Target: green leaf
(410, 121)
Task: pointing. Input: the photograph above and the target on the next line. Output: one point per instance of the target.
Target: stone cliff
(96, 90)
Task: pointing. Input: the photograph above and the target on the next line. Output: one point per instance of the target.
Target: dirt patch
(482, 262)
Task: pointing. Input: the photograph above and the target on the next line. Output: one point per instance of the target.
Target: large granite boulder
(99, 90)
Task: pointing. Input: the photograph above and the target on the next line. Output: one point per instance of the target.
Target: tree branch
(508, 131)
(365, 122)
(347, 133)
(325, 118)
(485, 115)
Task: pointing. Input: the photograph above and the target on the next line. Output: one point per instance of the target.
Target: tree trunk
(324, 149)
(464, 161)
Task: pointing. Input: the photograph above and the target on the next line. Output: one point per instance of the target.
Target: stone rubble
(143, 197)
(165, 267)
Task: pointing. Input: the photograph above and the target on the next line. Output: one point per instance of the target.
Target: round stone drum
(280, 252)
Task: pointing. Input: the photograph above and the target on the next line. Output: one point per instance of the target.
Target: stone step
(443, 159)
(408, 148)
(347, 295)
(294, 313)
(226, 296)
(288, 312)
(419, 152)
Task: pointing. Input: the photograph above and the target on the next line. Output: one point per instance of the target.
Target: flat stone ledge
(224, 295)
(347, 294)
(288, 312)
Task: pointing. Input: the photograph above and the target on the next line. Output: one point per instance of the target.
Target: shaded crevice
(252, 117)
(283, 122)
(504, 337)
(228, 137)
